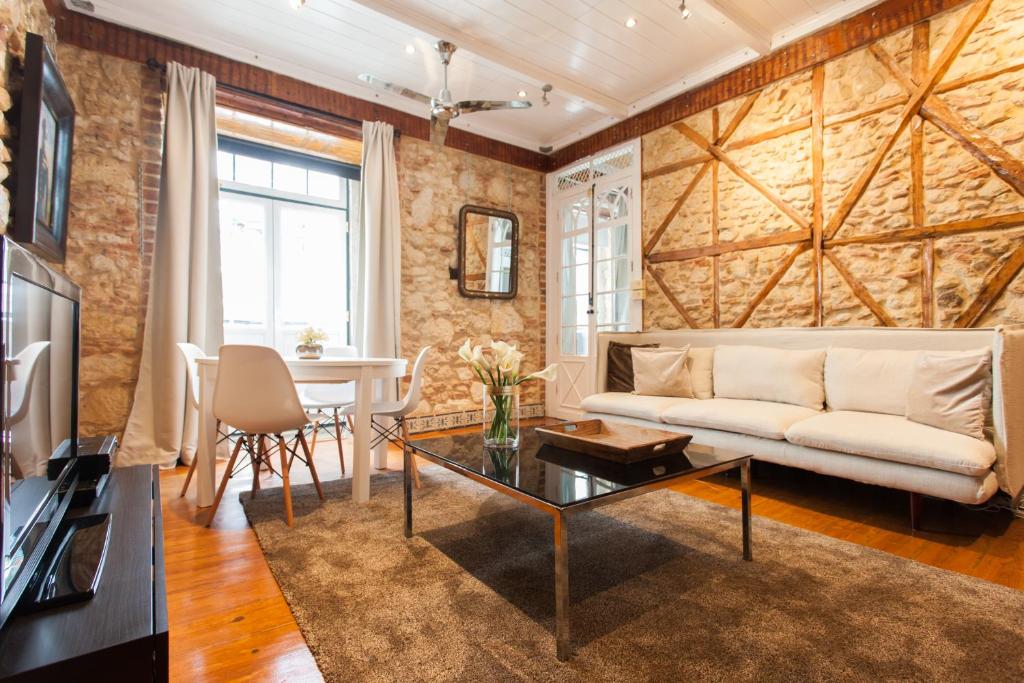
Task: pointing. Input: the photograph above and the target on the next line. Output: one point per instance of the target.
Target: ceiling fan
(442, 108)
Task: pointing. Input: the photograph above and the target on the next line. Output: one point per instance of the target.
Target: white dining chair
(255, 394)
(192, 353)
(398, 432)
(323, 404)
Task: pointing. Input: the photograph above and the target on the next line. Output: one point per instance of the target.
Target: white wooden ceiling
(601, 69)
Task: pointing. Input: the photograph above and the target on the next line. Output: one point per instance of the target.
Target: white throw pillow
(952, 390)
(700, 361)
(661, 372)
(869, 380)
(765, 373)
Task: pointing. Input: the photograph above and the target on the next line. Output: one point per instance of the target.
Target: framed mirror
(488, 253)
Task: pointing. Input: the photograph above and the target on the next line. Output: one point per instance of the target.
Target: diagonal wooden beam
(993, 289)
(818, 188)
(1007, 167)
(719, 153)
(671, 297)
(794, 126)
(737, 118)
(776, 277)
(920, 55)
(1004, 67)
(676, 206)
(861, 292)
(942, 64)
(676, 166)
(775, 240)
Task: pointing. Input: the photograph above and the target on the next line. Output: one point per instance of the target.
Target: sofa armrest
(1008, 408)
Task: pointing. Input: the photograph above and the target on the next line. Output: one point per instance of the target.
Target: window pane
(288, 178)
(568, 344)
(225, 166)
(252, 171)
(577, 216)
(576, 250)
(621, 277)
(243, 235)
(312, 278)
(324, 185)
(613, 204)
(582, 334)
(574, 310)
(575, 280)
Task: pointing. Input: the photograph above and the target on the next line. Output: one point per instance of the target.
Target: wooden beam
(984, 224)
(677, 166)
(818, 185)
(861, 292)
(1004, 67)
(840, 38)
(752, 34)
(797, 125)
(738, 117)
(956, 42)
(671, 298)
(775, 240)
(718, 153)
(993, 289)
(989, 152)
(716, 312)
(858, 114)
(678, 204)
(776, 277)
(919, 71)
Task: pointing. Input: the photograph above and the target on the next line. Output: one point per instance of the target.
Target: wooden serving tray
(623, 443)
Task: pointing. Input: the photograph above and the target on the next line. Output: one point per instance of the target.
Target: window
(284, 223)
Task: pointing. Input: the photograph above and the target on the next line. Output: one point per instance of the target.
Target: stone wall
(112, 218)
(434, 183)
(741, 248)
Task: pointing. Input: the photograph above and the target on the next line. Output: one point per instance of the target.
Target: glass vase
(501, 416)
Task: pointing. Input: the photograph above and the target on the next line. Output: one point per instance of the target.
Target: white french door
(595, 277)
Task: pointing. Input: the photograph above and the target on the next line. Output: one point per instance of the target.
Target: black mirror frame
(514, 270)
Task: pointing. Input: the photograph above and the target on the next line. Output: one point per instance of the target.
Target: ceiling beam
(400, 11)
(751, 33)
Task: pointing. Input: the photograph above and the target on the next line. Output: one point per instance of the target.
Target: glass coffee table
(563, 483)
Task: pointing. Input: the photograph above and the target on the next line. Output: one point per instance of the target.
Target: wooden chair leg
(188, 477)
(224, 482)
(287, 483)
(310, 465)
(254, 458)
(337, 435)
(316, 429)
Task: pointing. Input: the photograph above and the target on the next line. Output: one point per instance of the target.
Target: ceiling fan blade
(381, 84)
(470, 106)
(438, 129)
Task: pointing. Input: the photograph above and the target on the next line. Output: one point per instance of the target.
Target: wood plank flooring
(230, 622)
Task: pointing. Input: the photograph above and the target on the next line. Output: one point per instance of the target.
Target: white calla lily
(466, 350)
(548, 374)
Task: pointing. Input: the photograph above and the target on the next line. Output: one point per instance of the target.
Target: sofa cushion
(951, 390)
(895, 438)
(756, 418)
(661, 372)
(632, 405)
(764, 373)
(868, 380)
(701, 362)
(620, 365)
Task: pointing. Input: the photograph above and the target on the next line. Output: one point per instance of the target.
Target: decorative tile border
(436, 423)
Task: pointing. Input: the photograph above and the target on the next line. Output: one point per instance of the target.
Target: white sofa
(882, 448)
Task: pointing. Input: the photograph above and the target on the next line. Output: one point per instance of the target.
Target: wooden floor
(230, 622)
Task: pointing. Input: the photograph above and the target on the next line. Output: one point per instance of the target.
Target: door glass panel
(574, 310)
(244, 235)
(311, 273)
(577, 215)
(612, 204)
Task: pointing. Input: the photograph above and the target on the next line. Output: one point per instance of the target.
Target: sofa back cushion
(764, 373)
(700, 361)
(868, 380)
(952, 390)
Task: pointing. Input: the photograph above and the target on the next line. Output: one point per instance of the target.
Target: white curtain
(378, 276)
(185, 301)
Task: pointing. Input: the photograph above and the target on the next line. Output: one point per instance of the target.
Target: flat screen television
(39, 314)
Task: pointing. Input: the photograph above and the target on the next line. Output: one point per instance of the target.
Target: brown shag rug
(659, 592)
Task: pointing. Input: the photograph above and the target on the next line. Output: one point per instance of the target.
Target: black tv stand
(121, 633)
(71, 571)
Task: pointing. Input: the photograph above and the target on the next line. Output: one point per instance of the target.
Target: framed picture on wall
(46, 122)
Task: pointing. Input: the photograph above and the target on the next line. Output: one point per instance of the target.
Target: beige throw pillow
(700, 361)
(868, 380)
(951, 390)
(661, 372)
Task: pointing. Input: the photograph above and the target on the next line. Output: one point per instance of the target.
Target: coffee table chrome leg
(745, 486)
(562, 627)
(407, 485)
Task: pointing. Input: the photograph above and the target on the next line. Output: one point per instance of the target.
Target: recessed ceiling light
(631, 22)
(521, 93)
(296, 4)
(410, 49)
